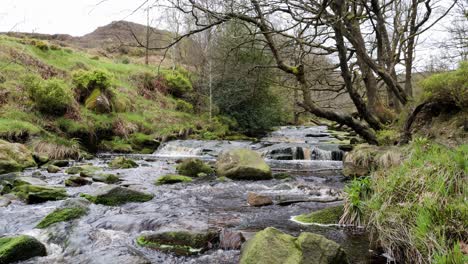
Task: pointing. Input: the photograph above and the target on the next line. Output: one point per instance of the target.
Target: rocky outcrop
(18, 248)
(242, 164)
(14, 157)
(272, 246)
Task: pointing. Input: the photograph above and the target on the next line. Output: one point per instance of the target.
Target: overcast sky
(74, 17)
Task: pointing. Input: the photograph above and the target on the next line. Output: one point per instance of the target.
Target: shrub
(41, 45)
(387, 137)
(184, 106)
(448, 87)
(51, 96)
(178, 83)
(57, 148)
(87, 81)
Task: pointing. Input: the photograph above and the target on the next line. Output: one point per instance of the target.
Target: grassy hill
(62, 101)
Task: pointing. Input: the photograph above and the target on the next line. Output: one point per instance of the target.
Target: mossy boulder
(14, 157)
(178, 242)
(52, 169)
(59, 163)
(70, 209)
(192, 167)
(273, 246)
(122, 163)
(329, 215)
(98, 102)
(33, 194)
(40, 159)
(18, 248)
(107, 178)
(113, 195)
(172, 179)
(84, 171)
(76, 181)
(242, 164)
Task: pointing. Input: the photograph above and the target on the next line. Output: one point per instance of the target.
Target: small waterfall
(197, 148)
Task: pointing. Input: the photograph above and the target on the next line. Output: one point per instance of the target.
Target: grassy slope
(20, 121)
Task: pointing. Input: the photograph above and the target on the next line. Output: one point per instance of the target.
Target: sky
(74, 17)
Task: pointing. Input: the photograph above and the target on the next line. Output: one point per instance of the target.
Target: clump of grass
(387, 137)
(357, 192)
(418, 210)
(16, 130)
(56, 147)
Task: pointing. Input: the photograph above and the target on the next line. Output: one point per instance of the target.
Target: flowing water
(107, 234)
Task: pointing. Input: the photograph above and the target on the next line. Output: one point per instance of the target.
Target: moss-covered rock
(59, 163)
(32, 194)
(242, 164)
(18, 248)
(61, 215)
(115, 195)
(40, 159)
(84, 171)
(122, 163)
(14, 157)
(107, 178)
(171, 179)
(192, 167)
(273, 246)
(329, 215)
(282, 176)
(98, 102)
(178, 242)
(52, 169)
(75, 181)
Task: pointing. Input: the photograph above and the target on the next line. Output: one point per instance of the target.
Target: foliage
(16, 130)
(387, 137)
(448, 86)
(419, 207)
(178, 82)
(184, 106)
(357, 192)
(87, 81)
(51, 96)
(117, 145)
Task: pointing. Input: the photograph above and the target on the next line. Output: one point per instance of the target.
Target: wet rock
(32, 194)
(70, 209)
(282, 176)
(346, 148)
(60, 163)
(4, 202)
(192, 167)
(122, 163)
(38, 174)
(229, 240)
(52, 169)
(28, 180)
(254, 199)
(329, 215)
(40, 159)
(75, 181)
(106, 178)
(242, 164)
(172, 179)
(18, 248)
(274, 246)
(84, 171)
(115, 195)
(178, 242)
(14, 157)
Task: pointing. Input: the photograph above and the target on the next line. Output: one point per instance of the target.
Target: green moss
(115, 195)
(330, 215)
(178, 83)
(243, 164)
(107, 178)
(14, 157)
(37, 194)
(61, 215)
(192, 167)
(117, 145)
(282, 176)
(85, 170)
(17, 130)
(184, 106)
(171, 179)
(122, 163)
(14, 249)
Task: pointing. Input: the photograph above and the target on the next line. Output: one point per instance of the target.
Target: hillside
(64, 102)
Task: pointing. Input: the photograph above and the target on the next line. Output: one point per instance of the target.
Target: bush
(50, 96)
(40, 45)
(387, 137)
(87, 81)
(178, 83)
(448, 87)
(184, 106)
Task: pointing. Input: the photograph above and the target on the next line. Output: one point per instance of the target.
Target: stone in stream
(193, 167)
(4, 202)
(229, 240)
(122, 163)
(242, 164)
(53, 169)
(113, 195)
(75, 181)
(172, 179)
(84, 171)
(183, 243)
(60, 163)
(106, 178)
(33, 194)
(271, 246)
(18, 248)
(40, 159)
(329, 215)
(254, 199)
(70, 209)
(14, 157)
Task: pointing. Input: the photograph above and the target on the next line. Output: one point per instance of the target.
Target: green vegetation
(17, 130)
(172, 179)
(61, 215)
(115, 195)
(178, 82)
(192, 167)
(32, 194)
(329, 215)
(18, 248)
(357, 192)
(122, 163)
(51, 96)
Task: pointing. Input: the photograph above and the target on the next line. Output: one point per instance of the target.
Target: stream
(107, 234)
